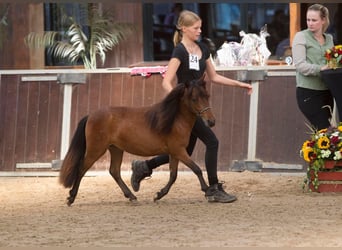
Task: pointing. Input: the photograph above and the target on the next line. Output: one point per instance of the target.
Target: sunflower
(322, 131)
(307, 154)
(306, 144)
(339, 128)
(323, 142)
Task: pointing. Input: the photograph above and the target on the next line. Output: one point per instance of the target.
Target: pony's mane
(162, 115)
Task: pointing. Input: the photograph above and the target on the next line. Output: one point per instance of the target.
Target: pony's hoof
(134, 202)
(204, 189)
(70, 201)
(133, 199)
(158, 196)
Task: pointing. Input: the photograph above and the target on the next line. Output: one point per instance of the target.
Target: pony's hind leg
(74, 190)
(115, 171)
(84, 166)
(173, 176)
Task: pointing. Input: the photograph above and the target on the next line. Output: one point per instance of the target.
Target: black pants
(207, 136)
(313, 104)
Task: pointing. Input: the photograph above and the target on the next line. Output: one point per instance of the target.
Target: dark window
(221, 22)
(53, 13)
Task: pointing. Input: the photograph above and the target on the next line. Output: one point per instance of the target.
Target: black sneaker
(215, 193)
(140, 170)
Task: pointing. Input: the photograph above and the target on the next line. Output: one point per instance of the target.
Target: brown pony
(164, 127)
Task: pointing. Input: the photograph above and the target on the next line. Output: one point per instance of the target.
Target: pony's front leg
(115, 171)
(196, 169)
(172, 179)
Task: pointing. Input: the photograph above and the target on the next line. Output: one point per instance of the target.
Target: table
(333, 79)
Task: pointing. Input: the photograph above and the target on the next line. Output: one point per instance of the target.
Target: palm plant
(3, 23)
(74, 45)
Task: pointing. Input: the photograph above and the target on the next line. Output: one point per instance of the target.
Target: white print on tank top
(193, 62)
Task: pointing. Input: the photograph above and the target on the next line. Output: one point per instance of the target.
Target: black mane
(161, 116)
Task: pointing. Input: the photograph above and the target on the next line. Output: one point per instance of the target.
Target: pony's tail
(74, 157)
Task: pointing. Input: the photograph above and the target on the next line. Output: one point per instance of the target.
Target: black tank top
(183, 73)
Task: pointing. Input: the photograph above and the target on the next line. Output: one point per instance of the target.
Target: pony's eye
(205, 96)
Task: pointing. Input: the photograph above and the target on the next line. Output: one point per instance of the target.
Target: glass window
(223, 22)
(164, 23)
(227, 20)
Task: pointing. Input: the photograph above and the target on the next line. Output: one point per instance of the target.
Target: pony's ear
(187, 84)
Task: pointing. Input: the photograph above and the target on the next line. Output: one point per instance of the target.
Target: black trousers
(314, 104)
(208, 137)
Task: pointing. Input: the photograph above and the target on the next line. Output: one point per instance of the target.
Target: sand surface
(272, 210)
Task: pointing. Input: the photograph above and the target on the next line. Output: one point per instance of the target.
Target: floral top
(308, 57)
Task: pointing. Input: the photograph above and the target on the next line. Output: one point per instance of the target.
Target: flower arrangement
(324, 145)
(334, 56)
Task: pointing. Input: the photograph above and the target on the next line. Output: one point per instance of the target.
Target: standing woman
(313, 97)
(190, 60)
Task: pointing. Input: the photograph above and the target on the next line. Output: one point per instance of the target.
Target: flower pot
(332, 164)
(329, 181)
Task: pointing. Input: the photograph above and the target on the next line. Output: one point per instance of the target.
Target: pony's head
(196, 98)
(192, 96)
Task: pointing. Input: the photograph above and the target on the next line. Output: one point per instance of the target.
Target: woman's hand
(248, 87)
(325, 67)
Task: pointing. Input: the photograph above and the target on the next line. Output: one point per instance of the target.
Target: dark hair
(324, 14)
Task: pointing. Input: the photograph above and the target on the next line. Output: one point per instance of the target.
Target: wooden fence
(31, 114)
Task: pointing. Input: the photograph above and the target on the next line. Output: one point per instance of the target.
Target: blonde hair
(323, 12)
(186, 19)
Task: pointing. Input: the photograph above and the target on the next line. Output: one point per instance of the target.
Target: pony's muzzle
(211, 122)
(207, 116)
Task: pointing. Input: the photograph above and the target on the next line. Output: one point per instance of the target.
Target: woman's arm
(217, 78)
(170, 75)
(299, 57)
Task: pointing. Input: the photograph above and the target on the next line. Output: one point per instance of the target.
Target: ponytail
(177, 37)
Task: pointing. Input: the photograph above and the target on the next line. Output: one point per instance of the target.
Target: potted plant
(323, 153)
(74, 45)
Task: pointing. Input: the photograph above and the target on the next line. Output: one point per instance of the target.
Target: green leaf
(72, 45)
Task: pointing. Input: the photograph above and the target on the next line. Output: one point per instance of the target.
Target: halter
(203, 110)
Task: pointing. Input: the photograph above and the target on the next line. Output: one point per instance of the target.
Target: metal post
(68, 80)
(66, 119)
(253, 121)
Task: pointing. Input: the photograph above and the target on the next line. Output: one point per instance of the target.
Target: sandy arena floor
(271, 210)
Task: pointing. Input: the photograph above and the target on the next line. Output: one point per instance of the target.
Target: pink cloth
(148, 71)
